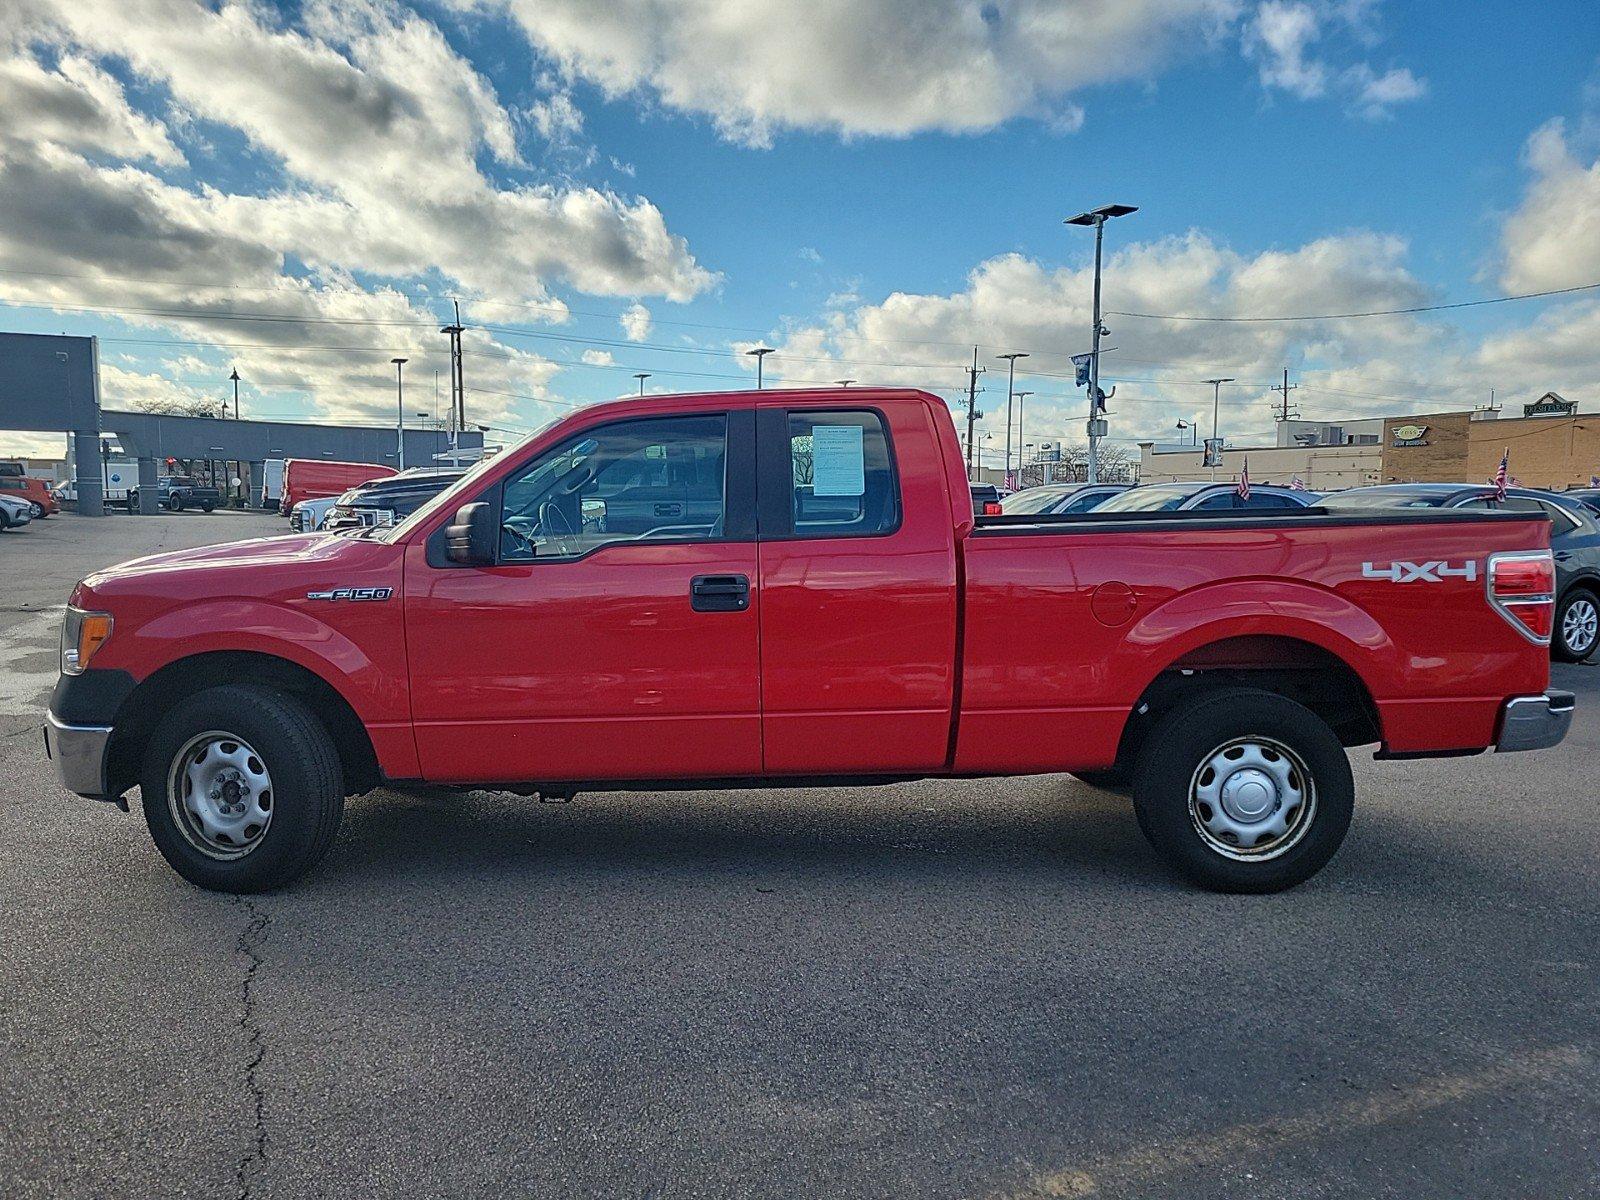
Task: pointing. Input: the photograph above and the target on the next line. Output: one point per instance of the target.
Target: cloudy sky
(869, 186)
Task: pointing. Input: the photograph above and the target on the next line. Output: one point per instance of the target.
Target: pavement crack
(251, 939)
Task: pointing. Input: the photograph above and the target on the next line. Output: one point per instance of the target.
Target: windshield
(1034, 500)
(1159, 497)
(1379, 497)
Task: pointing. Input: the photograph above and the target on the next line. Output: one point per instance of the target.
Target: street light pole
(844, 383)
(1216, 401)
(759, 353)
(235, 378)
(1021, 396)
(400, 410)
(1098, 218)
(1011, 384)
(641, 376)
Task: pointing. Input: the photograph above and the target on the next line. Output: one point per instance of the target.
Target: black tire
(307, 786)
(1170, 763)
(1578, 644)
(207, 507)
(175, 503)
(133, 504)
(36, 510)
(1113, 779)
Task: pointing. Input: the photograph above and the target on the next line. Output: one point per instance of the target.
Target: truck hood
(273, 567)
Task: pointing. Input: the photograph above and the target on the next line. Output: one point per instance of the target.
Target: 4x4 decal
(1428, 572)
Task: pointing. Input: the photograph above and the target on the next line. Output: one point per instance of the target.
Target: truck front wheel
(175, 502)
(1244, 791)
(242, 789)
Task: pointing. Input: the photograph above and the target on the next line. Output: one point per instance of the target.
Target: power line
(1376, 312)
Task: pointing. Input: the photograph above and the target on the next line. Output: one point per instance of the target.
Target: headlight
(82, 635)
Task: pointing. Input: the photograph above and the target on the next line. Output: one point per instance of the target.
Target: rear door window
(843, 477)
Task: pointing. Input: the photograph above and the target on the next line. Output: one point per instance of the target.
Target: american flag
(1296, 484)
(1499, 479)
(1244, 481)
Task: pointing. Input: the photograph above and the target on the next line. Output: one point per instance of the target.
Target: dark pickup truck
(178, 492)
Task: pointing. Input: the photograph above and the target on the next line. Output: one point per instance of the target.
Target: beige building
(1320, 468)
(1545, 451)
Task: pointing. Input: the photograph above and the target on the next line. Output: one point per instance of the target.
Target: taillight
(991, 509)
(1522, 587)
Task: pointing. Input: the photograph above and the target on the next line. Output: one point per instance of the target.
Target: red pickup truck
(790, 586)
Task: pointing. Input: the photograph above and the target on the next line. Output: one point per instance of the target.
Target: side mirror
(472, 537)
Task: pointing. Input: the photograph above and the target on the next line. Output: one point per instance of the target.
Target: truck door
(858, 590)
(616, 636)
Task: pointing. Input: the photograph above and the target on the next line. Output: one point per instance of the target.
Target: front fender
(363, 659)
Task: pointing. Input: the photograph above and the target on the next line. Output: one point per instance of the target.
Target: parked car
(309, 515)
(1589, 497)
(36, 493)
(314, 479)
(385, 501)
(1203, 497)
(1574, 537)
(985, 498)
(821, 611)
(178, 492)
(14, 512)
(1057, 498)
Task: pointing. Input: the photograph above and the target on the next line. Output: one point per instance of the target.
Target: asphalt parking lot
(963, 989)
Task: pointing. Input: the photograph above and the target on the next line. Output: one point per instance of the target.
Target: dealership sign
(1410, 435)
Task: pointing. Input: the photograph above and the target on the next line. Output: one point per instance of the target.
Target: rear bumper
(79, 753)
(1535, 722)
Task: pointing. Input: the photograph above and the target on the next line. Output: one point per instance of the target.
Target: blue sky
(867, 187)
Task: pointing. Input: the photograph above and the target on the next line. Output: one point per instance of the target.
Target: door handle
(719, 593)
(669, 510)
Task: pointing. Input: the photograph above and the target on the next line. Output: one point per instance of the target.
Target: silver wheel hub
(1251, 798)
(219, 794)
(1580, 624)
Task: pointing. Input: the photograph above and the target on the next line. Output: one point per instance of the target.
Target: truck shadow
(905, 830)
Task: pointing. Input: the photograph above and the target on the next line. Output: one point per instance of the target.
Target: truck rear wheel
(1244, 791)
(242, 789)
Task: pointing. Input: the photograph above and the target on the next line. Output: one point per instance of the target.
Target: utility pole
(458, 405)
(972, 410)
(1011, 383)
(1285, 389)
(399, 411)
(1096, 427)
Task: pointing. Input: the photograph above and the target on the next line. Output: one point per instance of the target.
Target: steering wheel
(564, 539)
(521, 534)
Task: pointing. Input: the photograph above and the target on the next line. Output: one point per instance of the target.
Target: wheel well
(1297, 670)
(146, 704)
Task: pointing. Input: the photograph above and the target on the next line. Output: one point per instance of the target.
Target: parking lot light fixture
(641, 376)
(1097, 217)
(759, 354)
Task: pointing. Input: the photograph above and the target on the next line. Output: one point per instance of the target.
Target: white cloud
(1552, 240)
(379, 125)
(869, 67)
(635, 321)
(1280, 38)
(598, 358)
(78, 106)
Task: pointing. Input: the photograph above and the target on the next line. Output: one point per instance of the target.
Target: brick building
(1546, 451)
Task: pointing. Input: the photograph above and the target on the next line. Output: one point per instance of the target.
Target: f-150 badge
(349, 593)
(1427, 572)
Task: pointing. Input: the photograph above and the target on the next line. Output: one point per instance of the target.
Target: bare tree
(1116, 465)
(171, 406)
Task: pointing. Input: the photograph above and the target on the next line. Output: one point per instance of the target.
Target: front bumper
(79, 753)
(1535, 722)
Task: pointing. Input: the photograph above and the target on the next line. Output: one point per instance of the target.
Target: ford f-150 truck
(791, 586)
